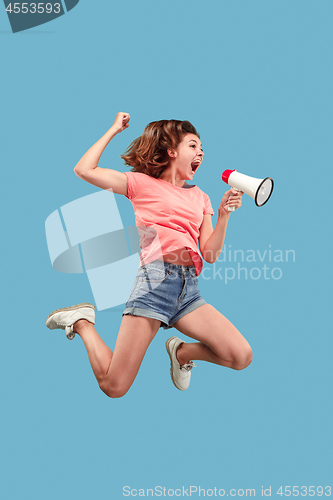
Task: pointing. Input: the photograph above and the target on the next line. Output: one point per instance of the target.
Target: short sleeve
(208, 209)
(132, 184)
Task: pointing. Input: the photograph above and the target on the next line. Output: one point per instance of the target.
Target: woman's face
(188, 155)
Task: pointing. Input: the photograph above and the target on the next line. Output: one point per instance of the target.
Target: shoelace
(188, 366)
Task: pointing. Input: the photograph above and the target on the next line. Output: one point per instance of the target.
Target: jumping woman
(173, 220)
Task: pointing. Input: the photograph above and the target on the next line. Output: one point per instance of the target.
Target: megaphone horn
(259, 189)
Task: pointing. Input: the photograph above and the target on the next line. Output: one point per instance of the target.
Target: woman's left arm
(211, 240)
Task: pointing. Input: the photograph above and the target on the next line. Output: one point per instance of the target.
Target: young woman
(172, 217)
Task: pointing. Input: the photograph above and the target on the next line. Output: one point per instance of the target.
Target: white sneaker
(66, 317)
(180, 374)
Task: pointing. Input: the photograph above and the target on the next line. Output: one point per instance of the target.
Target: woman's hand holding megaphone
(231, 200)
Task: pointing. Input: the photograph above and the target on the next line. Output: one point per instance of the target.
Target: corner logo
(25, 15)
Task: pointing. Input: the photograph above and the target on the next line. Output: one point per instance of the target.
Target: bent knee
(113, 390)
(243, 358)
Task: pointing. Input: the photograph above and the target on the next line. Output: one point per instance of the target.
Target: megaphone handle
(232, 209)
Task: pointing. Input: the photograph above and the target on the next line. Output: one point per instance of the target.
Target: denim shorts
(164, 291)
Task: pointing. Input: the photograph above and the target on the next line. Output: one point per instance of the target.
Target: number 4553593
(304, 491)
(33, 8)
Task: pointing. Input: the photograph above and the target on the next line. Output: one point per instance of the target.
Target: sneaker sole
(70, 308)
(171, 360)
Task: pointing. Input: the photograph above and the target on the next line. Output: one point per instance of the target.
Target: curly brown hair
(149, 152)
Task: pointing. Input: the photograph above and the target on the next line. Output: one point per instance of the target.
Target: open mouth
(195, 165)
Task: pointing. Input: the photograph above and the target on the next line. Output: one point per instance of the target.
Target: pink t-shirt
(168, 217)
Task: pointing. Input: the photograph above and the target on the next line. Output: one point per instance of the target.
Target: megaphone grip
(232, 209)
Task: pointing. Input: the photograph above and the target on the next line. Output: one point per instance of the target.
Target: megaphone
(259, 189)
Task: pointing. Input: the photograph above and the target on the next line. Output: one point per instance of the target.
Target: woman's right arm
(105, 178)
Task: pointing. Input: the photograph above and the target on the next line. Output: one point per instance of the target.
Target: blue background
(255, 78)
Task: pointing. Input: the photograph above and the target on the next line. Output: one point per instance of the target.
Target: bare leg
(219, 341)
(116, 371)
(99, 353)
